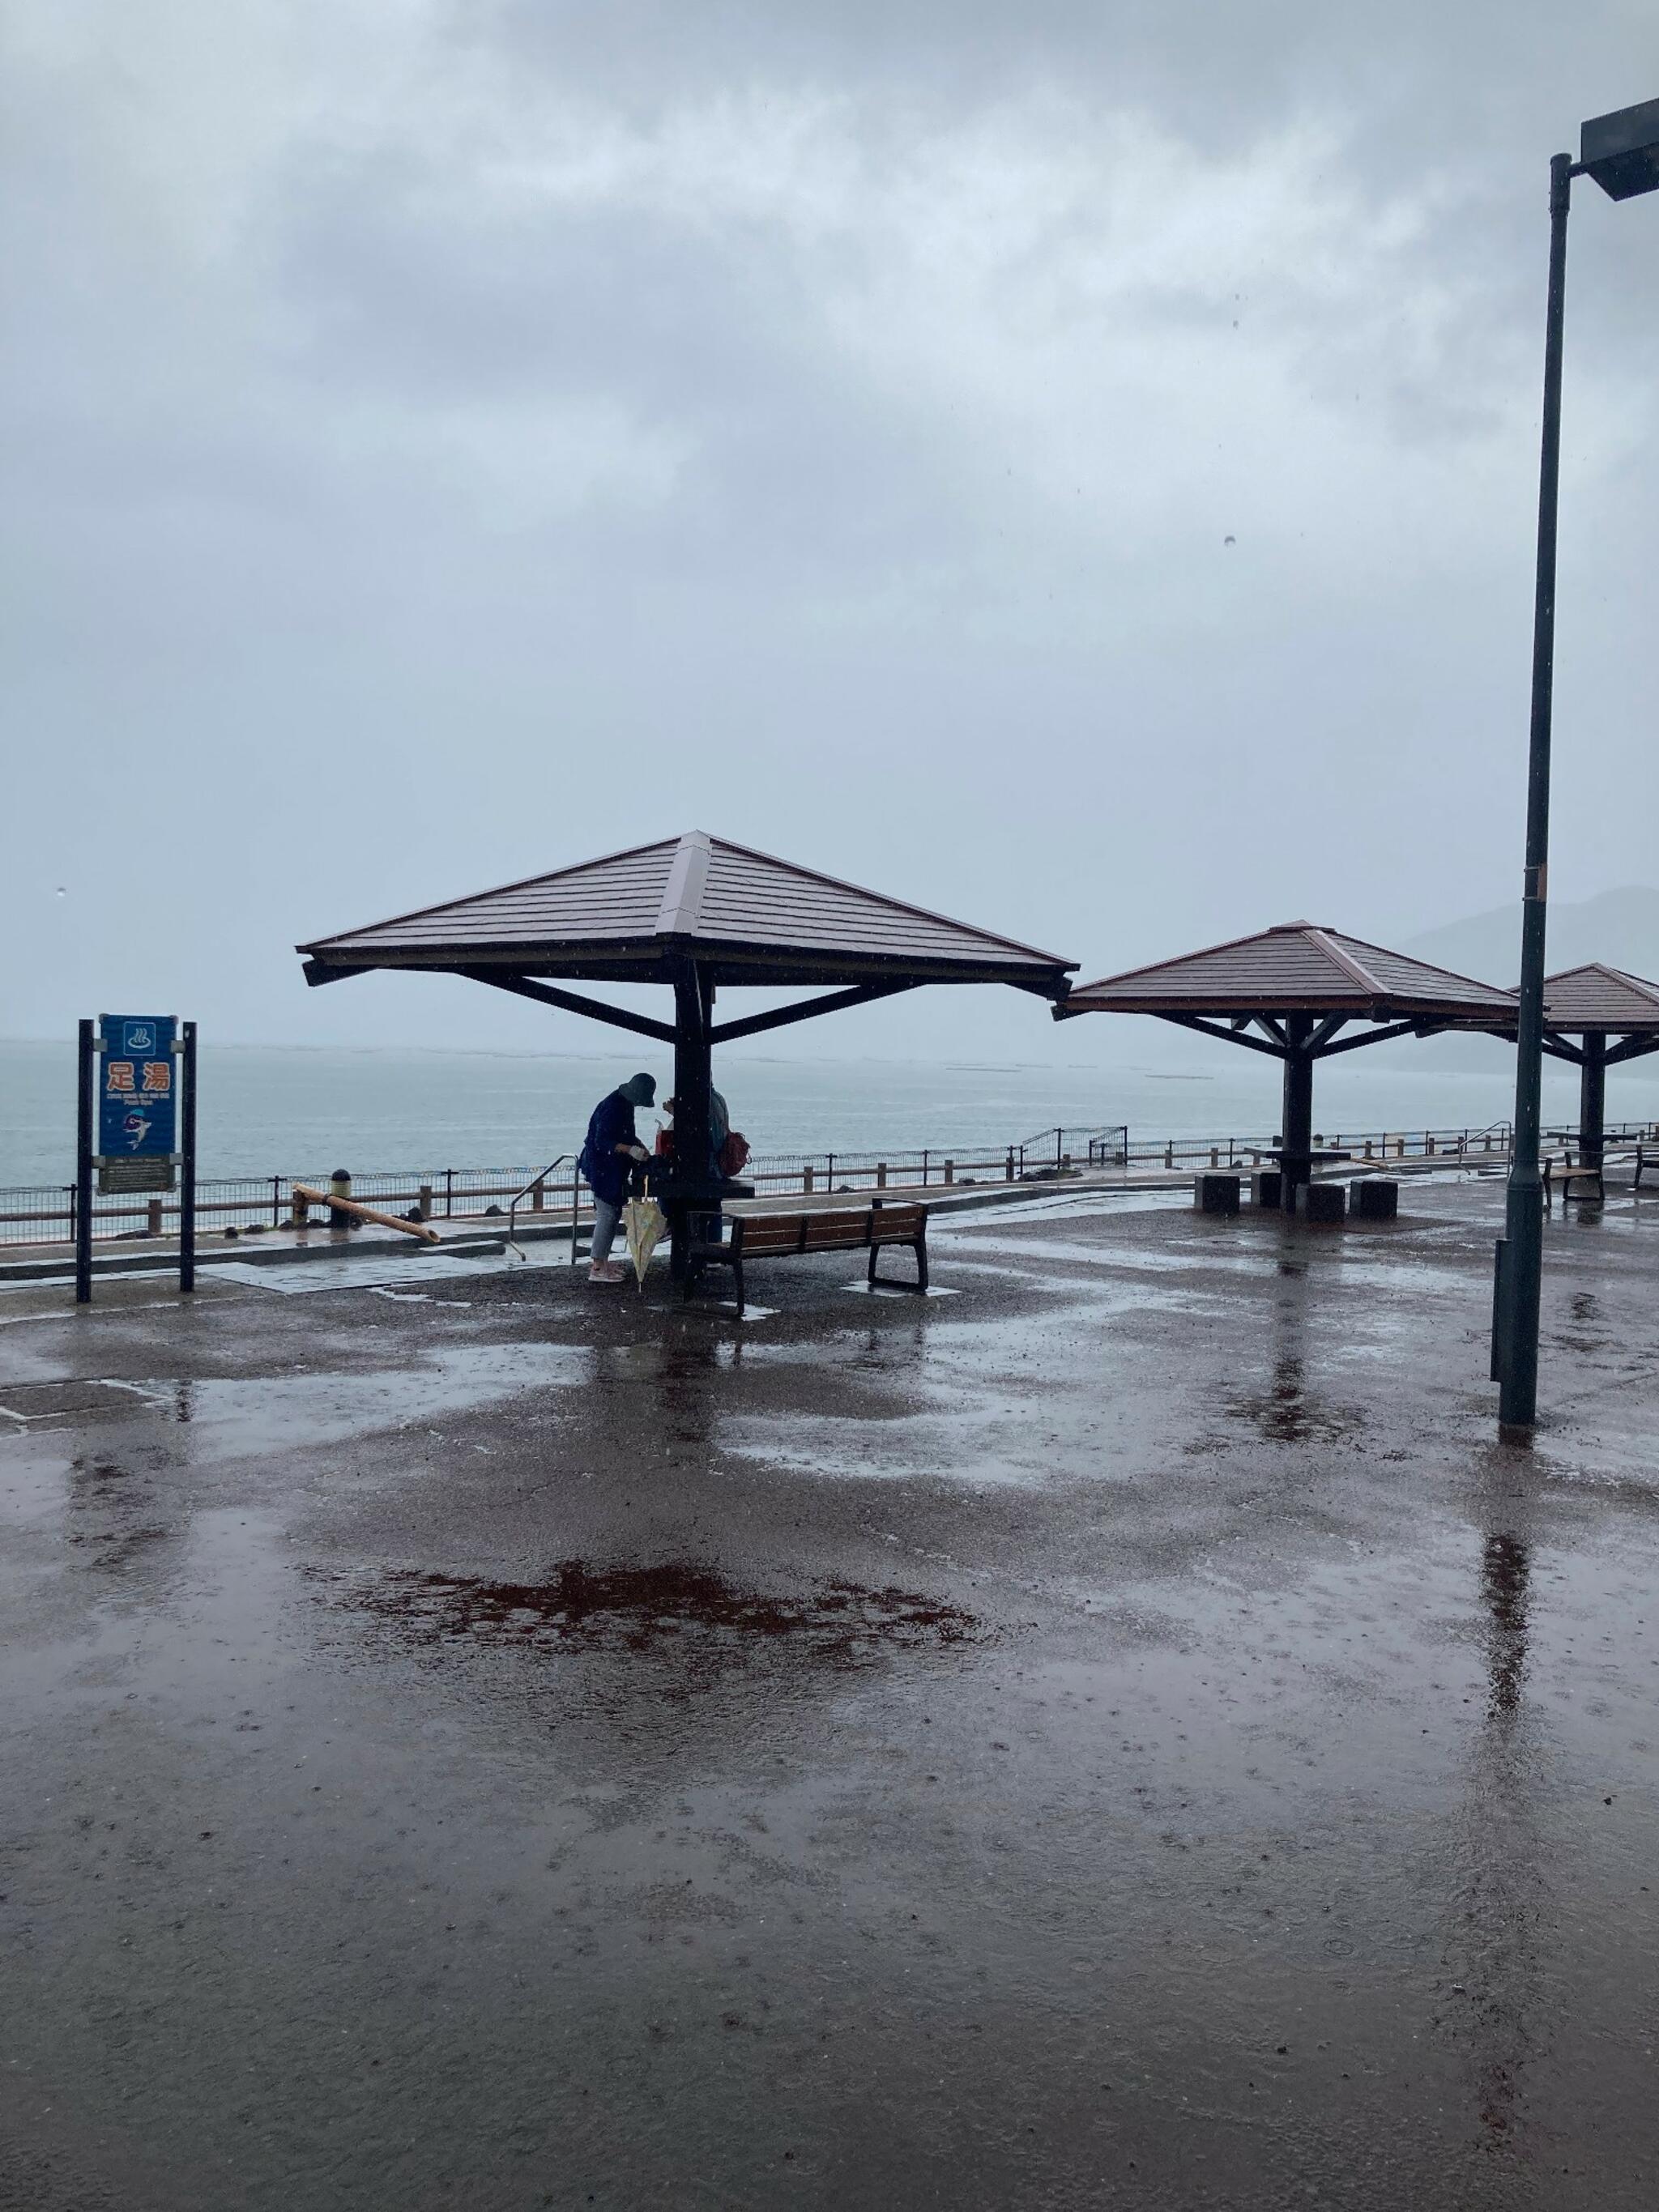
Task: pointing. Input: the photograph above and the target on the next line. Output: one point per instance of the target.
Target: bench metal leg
(920, 1247)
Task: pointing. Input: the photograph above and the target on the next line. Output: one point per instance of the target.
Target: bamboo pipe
(365, 1213)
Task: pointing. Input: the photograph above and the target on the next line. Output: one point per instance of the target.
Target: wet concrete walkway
(1123, 1733)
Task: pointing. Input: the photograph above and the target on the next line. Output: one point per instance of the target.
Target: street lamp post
(1621, 152)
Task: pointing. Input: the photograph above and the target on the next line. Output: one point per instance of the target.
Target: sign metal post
(83, 1071)
(187, 1164)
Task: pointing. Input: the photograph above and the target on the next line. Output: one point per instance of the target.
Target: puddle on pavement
(677, 1607)
(1288, 1412)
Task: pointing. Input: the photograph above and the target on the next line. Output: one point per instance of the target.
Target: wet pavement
(1123, 1733)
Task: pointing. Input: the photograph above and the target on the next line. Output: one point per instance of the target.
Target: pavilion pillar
(1593, 1097)
(694, 999)
(1297, 1127)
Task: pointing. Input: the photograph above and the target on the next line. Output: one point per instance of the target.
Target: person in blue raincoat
(608, 1157)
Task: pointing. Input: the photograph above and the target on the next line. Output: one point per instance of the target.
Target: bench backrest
(900, 1224)
(758, 1235)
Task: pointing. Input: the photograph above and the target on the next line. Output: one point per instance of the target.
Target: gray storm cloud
(1071, 466)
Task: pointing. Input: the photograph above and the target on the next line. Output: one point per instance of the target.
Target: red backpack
(734, 1154)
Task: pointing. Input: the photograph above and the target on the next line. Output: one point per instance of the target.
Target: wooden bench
(1568, 1172)
(781, 1235)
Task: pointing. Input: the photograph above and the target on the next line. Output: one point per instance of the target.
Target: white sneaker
(608, 1271)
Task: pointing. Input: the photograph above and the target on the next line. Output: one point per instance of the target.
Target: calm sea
(294, 1111)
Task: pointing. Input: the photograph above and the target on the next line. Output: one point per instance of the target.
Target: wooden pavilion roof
(1596, 997)
(637, 917)
(1297, 967)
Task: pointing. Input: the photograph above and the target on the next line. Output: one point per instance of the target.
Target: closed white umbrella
(644, 1224)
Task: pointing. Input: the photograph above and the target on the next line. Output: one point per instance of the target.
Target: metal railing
(536, 1191)
(1491, 1143)
(41, 1216)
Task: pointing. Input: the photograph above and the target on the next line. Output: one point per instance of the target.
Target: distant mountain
(1621, 928)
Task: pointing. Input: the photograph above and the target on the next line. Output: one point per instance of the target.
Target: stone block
(1268, 1187)
(1216, 1193)
(1322, 1202)
(1375, 1198)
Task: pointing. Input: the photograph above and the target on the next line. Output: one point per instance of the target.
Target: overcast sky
(1070, 464)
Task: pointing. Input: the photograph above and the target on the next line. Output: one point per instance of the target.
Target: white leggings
(605, 1217)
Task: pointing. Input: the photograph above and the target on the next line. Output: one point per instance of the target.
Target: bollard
(949, 1171)
(1376, 1199)
(153, 1225)
(1008, 1166)
(339, 1186)
(807, 1181)
(1428, 1142)
(1169, 1156)
(300, 1210)
(424, 1201)
(537, 1195)
(881, 1175)
(1215, 1156)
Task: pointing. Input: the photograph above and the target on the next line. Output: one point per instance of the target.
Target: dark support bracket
(569, 1002)
(1380, 1036)
(318, 972)
(1631, 1048)
(804, 1010)
(1227, 1035)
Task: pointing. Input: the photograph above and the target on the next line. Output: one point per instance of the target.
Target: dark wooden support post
(694, 996)
(1298, 1108)
(1593, 1097)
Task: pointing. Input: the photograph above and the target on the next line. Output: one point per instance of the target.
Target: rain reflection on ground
(1125, 1733)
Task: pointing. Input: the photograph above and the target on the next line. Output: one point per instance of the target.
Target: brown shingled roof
(1295, 967)
(750, 918)
(1595, 997)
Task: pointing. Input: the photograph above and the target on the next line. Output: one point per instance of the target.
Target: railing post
(829, 1172)
(881, 1175)
(923, 1167)
(949, 1171)
(1008, 1169)
(806, 1180)
(153, 1221)
(423, 1199)
(449, 1192)
(536, 1195)
(576, 1207)
(1169, 1155)
(276, 1201)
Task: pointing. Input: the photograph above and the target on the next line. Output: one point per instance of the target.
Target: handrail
(535, 1183)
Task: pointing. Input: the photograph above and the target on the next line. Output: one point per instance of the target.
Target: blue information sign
(137, 1087)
